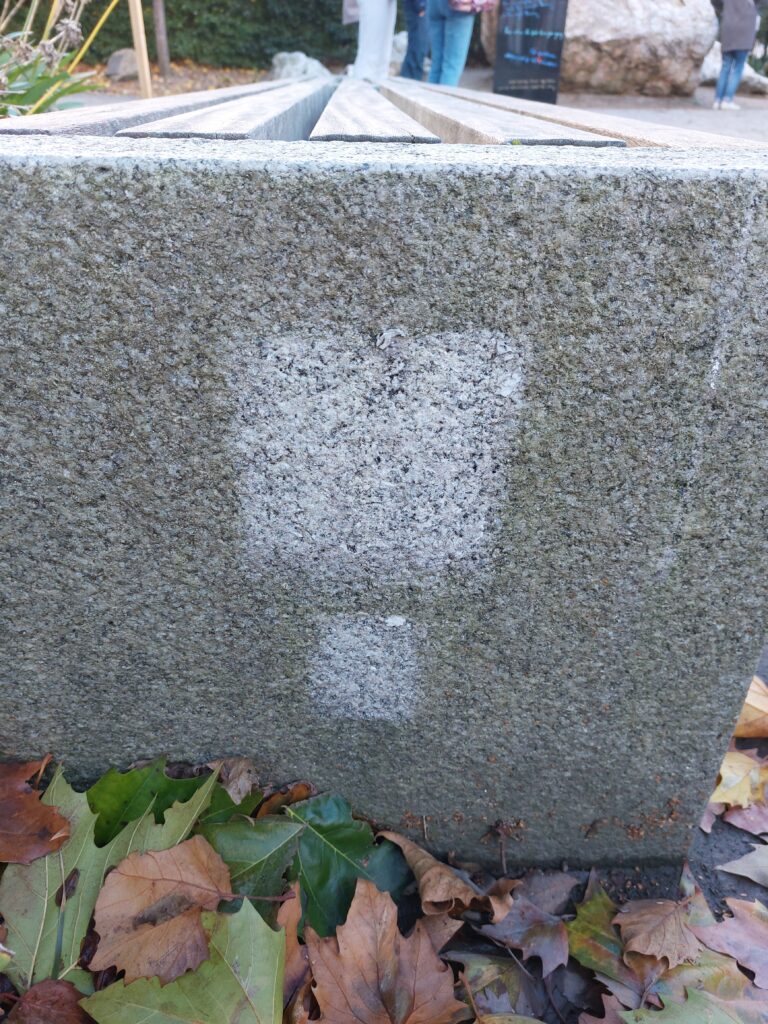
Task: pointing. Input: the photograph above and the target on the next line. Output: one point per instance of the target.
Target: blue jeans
(450, 33)
(418, 42)
(734, 62)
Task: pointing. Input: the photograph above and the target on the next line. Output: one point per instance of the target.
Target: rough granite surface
(435, 475)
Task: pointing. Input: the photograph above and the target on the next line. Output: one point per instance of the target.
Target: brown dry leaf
(752, 819)
(611, 1010)
(752, 865)
(296, 955)
(659, 929)
(371, 974)
(441, 928)
(148, 912)
(743, 775)
(50, 1002)
(533, 931)
(753, 720)
(444, 891)
(28, 828)
(550, 891)
(293, 793)
(712, 812)
(300, 1008)
(743, 936)
(237, 775)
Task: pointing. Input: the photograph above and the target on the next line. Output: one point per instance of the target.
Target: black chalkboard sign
(529, 46)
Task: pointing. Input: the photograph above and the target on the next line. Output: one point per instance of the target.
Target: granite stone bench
(410, 440)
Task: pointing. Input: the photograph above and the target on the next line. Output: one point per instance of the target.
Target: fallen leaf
(237, 776)
(658, 928)
(148, 915)
(712, 972)
(296, 955)
(28, 828)
(334, 851)
(121, 797)
(500, 984)
(699, 1008)
(441, 928)
(743, 936)
(752, 819)
(752, 865)
(753, 721)
(444, 891)
(743, 776)
(550, 891)
(611, 1009)
(293, 793)
(534, 932)
(370, 974)
(241, 982)
(710, 815)
(49, 1002)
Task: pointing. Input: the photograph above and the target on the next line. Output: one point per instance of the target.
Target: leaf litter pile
(174, 895)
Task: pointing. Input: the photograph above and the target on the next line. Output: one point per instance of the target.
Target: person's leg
(436, 25)
(725, 73)
(458, 36)
(739, 62)
(374, 39)
(418, 42)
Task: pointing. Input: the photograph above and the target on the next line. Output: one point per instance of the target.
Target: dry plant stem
(29, 20)
(520, 964)
(52, 16)
(8, 18)
(472, 1003)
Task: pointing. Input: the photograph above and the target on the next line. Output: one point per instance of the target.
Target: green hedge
(234, 33)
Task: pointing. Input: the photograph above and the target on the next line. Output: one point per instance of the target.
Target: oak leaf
(296, 955)
(49, 1002)
(148, 914)
(28, 828)
(444, 891)
(743, 936)
(533, 931)
(658, 928)
(371, 974)
(743, 776)
(753, 720)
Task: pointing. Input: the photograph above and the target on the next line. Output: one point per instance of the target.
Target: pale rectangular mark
(632, 132)
(288, 114)
(358, 113)
(458, 119)
(109, 118)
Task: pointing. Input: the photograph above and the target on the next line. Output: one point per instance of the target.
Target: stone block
(435, 474)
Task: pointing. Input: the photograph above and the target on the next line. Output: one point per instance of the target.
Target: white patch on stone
(364, 669)
(393, 621)
(359, 462)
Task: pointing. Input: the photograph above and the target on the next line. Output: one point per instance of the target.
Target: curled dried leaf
(658, 928)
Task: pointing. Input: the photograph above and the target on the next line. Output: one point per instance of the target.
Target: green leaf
(257, 854)
(241, 983)
(334, 851)
(223, 808)
(120, 797)
(46, 931)
(700, 1008)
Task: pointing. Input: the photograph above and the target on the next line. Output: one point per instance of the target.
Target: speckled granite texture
(504, 562)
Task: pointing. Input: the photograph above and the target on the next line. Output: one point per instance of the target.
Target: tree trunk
(161, 38)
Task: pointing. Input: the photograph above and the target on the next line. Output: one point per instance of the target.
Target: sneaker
(717, 105)
(730, 105)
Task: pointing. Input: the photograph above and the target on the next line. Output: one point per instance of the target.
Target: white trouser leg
(374, 39)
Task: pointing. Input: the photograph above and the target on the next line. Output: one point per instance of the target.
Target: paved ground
(751, 122)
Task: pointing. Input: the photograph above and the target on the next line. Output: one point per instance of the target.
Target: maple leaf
(743, 936)
(548, 890)
(499, 984)
(658, 928)
(241, 982)
(611, 1009)
(743, 776)
(441, 928)
(28, 828)
(296, 955)
(752, 819)
(370, 974)
(148, 915)
(710, 815)
(444, 891)
(533, 931)
(752, 865)
(753, 720)
(699, 1008)
(49, 1002)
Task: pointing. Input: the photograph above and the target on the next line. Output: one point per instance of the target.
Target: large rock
(751, 82)
(122, 65)
(297, 64)
(460, 515)
(654, 47)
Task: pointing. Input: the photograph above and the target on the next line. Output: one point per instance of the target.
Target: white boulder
(297, 65)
